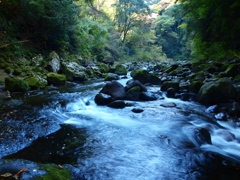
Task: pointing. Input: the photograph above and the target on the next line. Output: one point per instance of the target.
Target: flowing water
(117, 144)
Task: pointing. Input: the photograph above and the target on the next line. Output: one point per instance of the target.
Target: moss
(200, 76)
(170, 84)
(121, 69)
(16, 85)
(54, 173)
(232, 70)
(35, 81)
(1, 82)
(56, 79)
(104, 68)
(17, 71)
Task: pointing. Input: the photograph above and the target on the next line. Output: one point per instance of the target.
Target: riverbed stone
(16, 85)
(214, 92)
(114, 89)
(120, 69)
(137, 110)
(168, 104)
(54, 62)
(103, 99)
(232, 70)
(117, 104)
(144, 77)
(131, 83)
(36, 81)
(170, 84)
(110, 77)
(133, 93)
(147, 96)
(56, 79)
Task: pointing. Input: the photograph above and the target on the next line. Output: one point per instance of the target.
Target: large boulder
(144, 77)
(121, 69)
(114, 89)
(36, 81)
(110, 77)
(103, 99)
(16, 85)
(170, 84)
(131, 83)
(54, 62)
(232, 70)
(133, 93)
(56, 79)
(214, 92)
(74, 72)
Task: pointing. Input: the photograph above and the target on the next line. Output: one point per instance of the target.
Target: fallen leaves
(14, 176)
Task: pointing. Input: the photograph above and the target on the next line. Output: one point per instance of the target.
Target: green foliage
(130, 14)
(214, 26)
(36, 26)
(54, 173)
(171, 33)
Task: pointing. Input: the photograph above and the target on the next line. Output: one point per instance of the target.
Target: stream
(66, 127)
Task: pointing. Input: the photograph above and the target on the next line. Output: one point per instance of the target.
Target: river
(66, 127)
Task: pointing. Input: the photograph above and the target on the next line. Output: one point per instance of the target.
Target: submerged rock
(168, 104)
(117, 104)
(103, 99)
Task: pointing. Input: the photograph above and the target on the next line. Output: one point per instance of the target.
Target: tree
(215, 27)
(129, 14)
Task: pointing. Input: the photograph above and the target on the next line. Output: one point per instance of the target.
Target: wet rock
(200, 76)
(110, 77)
(189, 97)
(56, 79)
(7, 96)
(170, 84)
(172, 68)
(168, 104)
(133, 93)
(16, 85)
(195, 86)
(117, 104)
(171, 92)
(146, 96)
(202, 136)
(214, 92)
(103, 99)
(226, 135)
(232, 70)
(131, 83)
(137, 110)
(114, 89)
(145, 77)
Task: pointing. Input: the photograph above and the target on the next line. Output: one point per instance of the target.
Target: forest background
(127, 30)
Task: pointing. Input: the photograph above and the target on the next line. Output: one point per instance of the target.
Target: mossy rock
(54, 172)
(232, 70)
(175, 72)
(36, 82)
(16, 85)
(110, 77)
(133, 93)
(195, 86)
(9, 69)
(104, 68)
(214, 92)
(17, 71)
(120, 69)
(200, 76)
(170, 84)
(56, 79)
(171, 68)
(144, 77)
